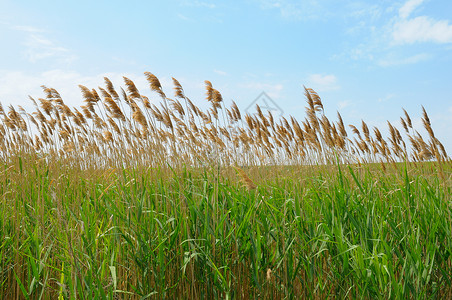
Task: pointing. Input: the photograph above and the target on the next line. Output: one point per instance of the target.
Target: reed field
(130, 197)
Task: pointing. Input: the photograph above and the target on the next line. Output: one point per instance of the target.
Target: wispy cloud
(385, 34)
(422, 29)
(200, 11)
(386, 98)
(409, 6)
(392, 61)
(30, 29)
(39, 47)
(419, 29)
(272, 89)
(205, 4)
(294, 10)
(343, 104)
(219, 72)
(184, 18)
(264, 86)
(323, 83)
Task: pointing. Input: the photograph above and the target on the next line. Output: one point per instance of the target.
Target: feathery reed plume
(156, 113)
(178, 90)
(114, 125)
(177, 106)
(269, 274)
(193, 107)
(138, 116)
(341, 125)
(155, 84)
(95, 95)
(46, 105)
(404, 125)
(355, 130)
(131, 88)
(425, 116)
(209, 90)
(408, 119)
(247, 182)
(86, 111)
(29, 97)
(111, 89)
(236, 111)
(217, 98)
(146, 101)
(114, 108)
(79, 119)
(125, 97)
(108, 136)
(365, 130)
(188, 131)
(318, 106)
(427, 124)
(87, 94)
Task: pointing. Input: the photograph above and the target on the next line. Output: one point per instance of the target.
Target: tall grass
(127, 199)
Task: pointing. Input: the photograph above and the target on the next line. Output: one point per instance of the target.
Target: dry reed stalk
(404, 125)
(408, 119)
(89, 97)
(155, 84)
(81, 119)
(177, 106)
(236, 111)
(114, 109)
(365, 130)
(178, 90)
(86, 111)
(209, 90)
(167, 119)
(110, 88)
(46, 105)
(355, 130)
(257, 135)
(131, 88)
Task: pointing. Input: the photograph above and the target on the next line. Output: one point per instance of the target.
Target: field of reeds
(130, 197)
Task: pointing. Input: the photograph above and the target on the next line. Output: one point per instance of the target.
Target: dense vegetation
(125, 199)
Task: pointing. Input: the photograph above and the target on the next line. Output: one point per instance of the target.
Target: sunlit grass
(348, 232)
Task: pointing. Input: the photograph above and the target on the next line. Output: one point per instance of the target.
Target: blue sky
(366, 59)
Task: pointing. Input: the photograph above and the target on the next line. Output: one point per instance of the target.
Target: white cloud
(409, 7)
(391, 61)
(30, 29)
(39, 48)
(365, 12)
(295, 10)
(272, 90)
(422, 29)
(386, 98)
(343, 104)
(264, 86)
(205, 4)
(219, 72)
(184, 18)
(322, 83)
(381, 34)
(199, 4)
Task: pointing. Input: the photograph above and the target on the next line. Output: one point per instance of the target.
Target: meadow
(131, 198)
